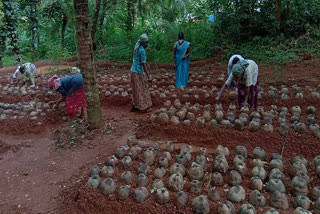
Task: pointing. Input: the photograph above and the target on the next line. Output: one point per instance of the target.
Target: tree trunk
(278, 13)
(87, 66)
(129, 15)
(95, 19)
(11, 26)
(34, 29)
(63, 29)
(101, 21)
(2, 43)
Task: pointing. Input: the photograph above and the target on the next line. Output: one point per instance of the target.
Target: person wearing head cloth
(181, 60)
(232, 61)
(72, 91)
(27, 70)
(141, 98)
(246, 74)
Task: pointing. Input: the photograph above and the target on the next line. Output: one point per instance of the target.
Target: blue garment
(139, 58)
(211, 18)
(182, 65)
(70, 84)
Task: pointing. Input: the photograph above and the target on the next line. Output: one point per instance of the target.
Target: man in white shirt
(27, 70)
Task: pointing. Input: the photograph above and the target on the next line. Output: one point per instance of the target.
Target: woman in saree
(141, 98)
(72, 91)
(246, 74)
(181, 59)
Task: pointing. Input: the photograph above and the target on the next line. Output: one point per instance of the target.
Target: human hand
(55, 107)
(52, 102)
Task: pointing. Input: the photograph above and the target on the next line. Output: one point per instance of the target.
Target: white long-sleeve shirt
(250, 74)
(29, 71)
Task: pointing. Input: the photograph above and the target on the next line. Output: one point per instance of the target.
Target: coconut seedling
(93, 182)
(126, 162)
(177, 168)
(126, 177)
(162, 196)
(259, 153)
(149, 156)
(315, 193)
(144, 168)
(203, 151)
(301, 201)
(217, 179)
(95, 170)
(142, 180)
(226, 207)
(277, 174)
(212, 124)
(107, 186)
(221, 150)
(275, 185)
(107, 171)
(259, 172)
(181, 199)
(140, 194)
(121, 152)
(226, 124)
(247, 209)
(202, 161)
(176, 182)
(241, 150)
(299, 186)
(236, 194)
(279, 200)
(158, 184)
(213, 194)
(257, 199)
(195, 186)
(112, 161)
(256, 183)
(159, 172)
(220, 164)
(200, 205)
(276, 163)
(123, 193)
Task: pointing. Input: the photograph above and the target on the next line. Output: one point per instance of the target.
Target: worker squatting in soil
(27, 70)
(72, 92)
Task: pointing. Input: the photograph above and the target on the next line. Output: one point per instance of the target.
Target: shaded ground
(41, 175)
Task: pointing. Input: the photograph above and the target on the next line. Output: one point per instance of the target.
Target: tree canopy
(277, 30)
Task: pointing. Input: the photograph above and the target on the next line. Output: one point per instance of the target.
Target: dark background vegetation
(271, 32)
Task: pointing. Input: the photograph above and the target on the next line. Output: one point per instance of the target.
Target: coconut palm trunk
(87, 63)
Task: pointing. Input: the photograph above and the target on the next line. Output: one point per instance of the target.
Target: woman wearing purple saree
(181, 59)
(246, 74)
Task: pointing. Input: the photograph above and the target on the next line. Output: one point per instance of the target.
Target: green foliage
(247, 27)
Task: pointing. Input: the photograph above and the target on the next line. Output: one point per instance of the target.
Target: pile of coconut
(178, 175)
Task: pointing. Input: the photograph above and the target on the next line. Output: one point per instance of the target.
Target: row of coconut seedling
(284, 92)
(187, 114)
(197, 175)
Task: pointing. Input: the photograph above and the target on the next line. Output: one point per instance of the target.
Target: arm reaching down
(221, 92)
